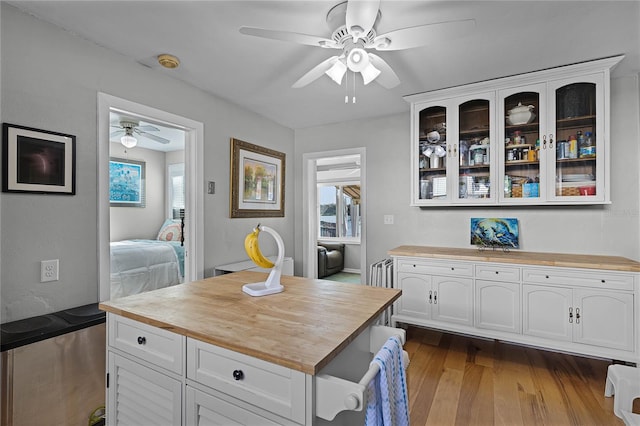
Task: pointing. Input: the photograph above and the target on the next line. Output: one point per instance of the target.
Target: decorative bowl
(521, 114)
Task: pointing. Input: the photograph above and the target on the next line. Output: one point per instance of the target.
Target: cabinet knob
(603, 281)
(453, 269)
(142, 340)
(550, 140)
(497, 272)
(544, 141)
(238, 374)
(546, 276)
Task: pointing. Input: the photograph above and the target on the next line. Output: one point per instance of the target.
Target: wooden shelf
(520, 162)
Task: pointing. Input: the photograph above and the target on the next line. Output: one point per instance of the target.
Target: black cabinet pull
(142, 340)
(238, 374)
(497, 272)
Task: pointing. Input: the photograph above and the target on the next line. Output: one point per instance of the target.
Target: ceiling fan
(353, 23)
(130, 127)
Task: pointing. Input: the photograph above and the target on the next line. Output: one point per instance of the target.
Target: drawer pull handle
(577, 315)
(435, 297)
(142, 340)
(238, 374)
(430, 296)
(570, 315)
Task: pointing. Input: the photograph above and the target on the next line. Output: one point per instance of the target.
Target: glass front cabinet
(539, 138)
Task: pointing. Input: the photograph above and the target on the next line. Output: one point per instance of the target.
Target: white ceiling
(510, 37)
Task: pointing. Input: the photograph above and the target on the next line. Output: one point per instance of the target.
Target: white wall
(611, 230)
(141, 222)
(50, 80)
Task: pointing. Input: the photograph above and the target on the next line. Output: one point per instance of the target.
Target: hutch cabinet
(537, 138)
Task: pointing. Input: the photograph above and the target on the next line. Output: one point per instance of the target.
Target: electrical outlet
(211, 187)
(388, 219)
(49, 270)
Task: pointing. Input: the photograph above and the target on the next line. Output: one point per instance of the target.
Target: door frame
(194, 216)
(309, 211)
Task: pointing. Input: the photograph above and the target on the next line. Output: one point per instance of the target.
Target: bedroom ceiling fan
(353, 24)
(130, 127)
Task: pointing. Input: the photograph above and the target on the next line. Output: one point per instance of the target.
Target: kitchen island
(205, 352)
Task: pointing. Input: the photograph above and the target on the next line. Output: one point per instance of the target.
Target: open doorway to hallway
(335, 215)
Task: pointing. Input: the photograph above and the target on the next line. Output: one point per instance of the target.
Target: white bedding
(139, 266)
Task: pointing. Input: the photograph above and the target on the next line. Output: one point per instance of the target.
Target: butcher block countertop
(613, 263)
(303, 328)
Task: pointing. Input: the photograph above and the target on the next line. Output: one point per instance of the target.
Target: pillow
(170, 231)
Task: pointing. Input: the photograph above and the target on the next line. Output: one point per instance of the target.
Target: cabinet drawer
(155, 345)
(420, 266)
(597, 279)
(498, 273)
(272, 387)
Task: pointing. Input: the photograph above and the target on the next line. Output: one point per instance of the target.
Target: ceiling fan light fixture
(358, 59)
(337, 71)
(369, 74)
(128, 141)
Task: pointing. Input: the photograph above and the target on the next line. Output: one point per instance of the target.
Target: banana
(252, 248)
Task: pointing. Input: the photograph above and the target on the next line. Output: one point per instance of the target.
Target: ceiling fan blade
(387, 78)
(153, 137)
(361, 15)
(290, 36)
(315, 72)
(116, 133)
(148, 128)
(407, 38)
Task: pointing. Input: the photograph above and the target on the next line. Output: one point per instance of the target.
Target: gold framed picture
(257, 181)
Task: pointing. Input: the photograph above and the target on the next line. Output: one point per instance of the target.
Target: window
(175, 185)
(339, 211)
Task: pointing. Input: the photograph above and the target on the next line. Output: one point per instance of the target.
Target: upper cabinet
(537, 138)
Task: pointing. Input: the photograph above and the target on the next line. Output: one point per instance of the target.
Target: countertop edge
(601, 262)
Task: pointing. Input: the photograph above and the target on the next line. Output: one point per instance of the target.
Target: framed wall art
(492, 232)
(257, 181)
(126, 183)
(38, 161)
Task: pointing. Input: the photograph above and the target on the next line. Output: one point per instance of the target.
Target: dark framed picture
(257, 181)
(38, 161)
(126, 183)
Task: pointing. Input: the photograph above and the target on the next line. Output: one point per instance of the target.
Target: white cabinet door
(548, 312)
(604, 318)
(138, 395)
(497, 306)
(452, 300)
(415, 295)
(207, 410)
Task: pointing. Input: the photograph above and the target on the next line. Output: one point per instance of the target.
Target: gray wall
(611, 229)
(50, 80)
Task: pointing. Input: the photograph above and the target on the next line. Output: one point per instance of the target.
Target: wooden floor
(458, 380)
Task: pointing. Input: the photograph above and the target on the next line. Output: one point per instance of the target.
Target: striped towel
(387, 399)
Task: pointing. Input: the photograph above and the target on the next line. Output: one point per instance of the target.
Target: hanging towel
(387, 400)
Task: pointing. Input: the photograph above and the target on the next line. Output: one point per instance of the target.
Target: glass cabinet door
(473, 154)
(524, 145)
(577, 113)
(432, 153)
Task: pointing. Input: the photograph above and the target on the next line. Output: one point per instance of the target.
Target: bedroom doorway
(156, 202)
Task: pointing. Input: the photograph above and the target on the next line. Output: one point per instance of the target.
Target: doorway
(336, 172)
(110, 107)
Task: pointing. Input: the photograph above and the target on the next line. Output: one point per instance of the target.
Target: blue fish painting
(495, 232)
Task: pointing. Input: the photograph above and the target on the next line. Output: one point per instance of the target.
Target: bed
(140, 265)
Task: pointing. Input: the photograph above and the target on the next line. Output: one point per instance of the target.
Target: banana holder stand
(272, 284)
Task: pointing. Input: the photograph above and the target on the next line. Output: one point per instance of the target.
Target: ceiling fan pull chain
(353, 100)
